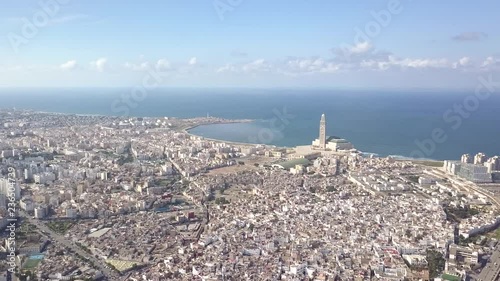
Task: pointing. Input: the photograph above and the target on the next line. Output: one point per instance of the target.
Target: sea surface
(408, 123)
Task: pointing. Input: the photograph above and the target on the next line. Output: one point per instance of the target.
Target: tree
(413, 179)
(221, 201)
(436, 263)
(419, 237)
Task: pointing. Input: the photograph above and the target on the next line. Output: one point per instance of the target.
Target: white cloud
(69, 65)
(138, 67)
(288, 67)
(317, 65)
(361, 48)
(394, 62)
(370, 64)
(331, 67)
(100, 64)
(227, 68)
(310, 66)
(423, 63)
(462, 63)
(465, 61)
(162, 64)
(350, 52)
(490, 62)
(257, 65)
(306, 64)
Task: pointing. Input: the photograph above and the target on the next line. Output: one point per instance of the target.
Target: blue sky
(249, 43)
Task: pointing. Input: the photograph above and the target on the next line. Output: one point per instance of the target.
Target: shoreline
(59, 113)
(223, 121)
(215, 122)
(395, 157)
(186, 130)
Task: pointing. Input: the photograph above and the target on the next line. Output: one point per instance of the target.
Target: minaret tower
(322, 132)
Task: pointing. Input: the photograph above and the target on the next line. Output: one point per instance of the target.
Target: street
(100, 264)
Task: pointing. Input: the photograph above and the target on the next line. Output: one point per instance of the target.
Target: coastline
(215, 121)
(423, 161)
(186, 130)
(61, 113)
(223, 121)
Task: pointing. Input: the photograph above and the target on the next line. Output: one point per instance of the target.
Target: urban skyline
(179, 140)
(127, 198)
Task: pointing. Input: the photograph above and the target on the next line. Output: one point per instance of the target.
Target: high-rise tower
(322, 132)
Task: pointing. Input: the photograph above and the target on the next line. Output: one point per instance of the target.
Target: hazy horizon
(253, 44)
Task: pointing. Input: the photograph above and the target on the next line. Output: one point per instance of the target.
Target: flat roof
(291, 163)
(335, 139)
(100, 232)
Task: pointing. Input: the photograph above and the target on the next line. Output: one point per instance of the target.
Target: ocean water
(422, 124)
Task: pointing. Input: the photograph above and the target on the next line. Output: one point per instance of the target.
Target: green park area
(32, 262)
(60, 226)
(450, 277)
(24, 230)
(494, 234)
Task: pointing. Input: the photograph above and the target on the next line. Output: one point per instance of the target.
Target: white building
(324, 142)
(39, 212)
(26, 204)
(71, 213)
(480, 158)
(466, 158)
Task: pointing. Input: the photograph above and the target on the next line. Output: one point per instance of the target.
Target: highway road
(470, 186)
(100, 264)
